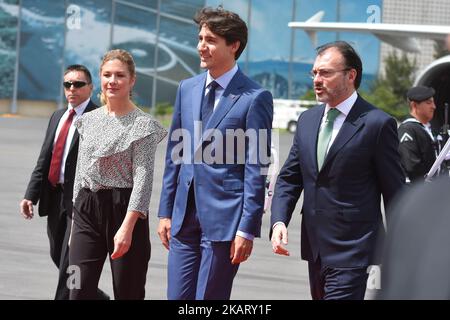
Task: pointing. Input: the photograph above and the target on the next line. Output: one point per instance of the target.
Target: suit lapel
(313, 127)
(197, 92)
(55, 124)
(91, 106)
(197, 95)
(352, 124)
(227, 101)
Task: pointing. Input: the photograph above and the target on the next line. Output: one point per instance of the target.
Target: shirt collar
(346, 105)
(224, 79)
(427, 125)
(80, 108)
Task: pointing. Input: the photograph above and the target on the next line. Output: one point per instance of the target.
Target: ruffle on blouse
(141, 127)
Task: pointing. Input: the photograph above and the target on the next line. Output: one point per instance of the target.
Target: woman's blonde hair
(123, 56)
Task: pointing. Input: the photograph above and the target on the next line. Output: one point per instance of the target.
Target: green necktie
(325, 136)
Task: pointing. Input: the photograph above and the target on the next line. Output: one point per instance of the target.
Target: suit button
(188, 183)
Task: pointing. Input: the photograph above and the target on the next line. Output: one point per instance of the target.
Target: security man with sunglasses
(51, 183)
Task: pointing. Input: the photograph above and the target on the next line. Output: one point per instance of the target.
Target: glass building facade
(39, 38)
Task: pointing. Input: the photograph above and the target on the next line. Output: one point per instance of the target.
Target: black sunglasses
(76, 84)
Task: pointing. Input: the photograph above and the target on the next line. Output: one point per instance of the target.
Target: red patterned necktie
(58, 150)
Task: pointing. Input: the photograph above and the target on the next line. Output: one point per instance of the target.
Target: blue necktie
(208, 104)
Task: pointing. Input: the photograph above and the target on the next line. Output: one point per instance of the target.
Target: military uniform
(418, 148)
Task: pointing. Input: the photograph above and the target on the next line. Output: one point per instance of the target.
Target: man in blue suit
(344, 156)
(214, 181)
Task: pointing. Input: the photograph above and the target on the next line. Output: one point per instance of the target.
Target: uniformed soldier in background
(418, 146)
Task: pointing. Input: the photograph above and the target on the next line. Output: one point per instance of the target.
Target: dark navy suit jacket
(39, 187)
(341, 207)
(40, 190)
(229, 194)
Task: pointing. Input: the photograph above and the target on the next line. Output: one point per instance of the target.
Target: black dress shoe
(101, 295)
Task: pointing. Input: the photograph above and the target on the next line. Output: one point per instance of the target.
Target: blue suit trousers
(198, 269)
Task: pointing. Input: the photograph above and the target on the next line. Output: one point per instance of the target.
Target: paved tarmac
(27, 272)
(26, 269)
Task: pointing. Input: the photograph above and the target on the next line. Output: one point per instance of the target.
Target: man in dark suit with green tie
(344, 157)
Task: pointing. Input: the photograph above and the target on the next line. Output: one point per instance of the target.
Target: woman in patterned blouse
(113, 185)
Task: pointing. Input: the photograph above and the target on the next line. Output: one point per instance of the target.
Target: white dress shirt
(344, 107)
(79, 111)
(223, 81)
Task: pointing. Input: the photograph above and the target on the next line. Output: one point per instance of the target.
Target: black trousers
(97, 217)
(59, 223)
(58, 230)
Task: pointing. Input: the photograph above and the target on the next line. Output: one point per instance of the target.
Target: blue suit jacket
(341, 207)
(228, 196)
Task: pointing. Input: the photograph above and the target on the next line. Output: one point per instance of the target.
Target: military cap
(420, 93)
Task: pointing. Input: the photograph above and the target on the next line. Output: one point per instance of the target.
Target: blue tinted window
(8, 36)
(42, 33)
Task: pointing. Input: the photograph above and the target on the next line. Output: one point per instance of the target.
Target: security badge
(406, 137)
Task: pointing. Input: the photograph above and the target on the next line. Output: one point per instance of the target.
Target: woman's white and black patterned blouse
(118, 152)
